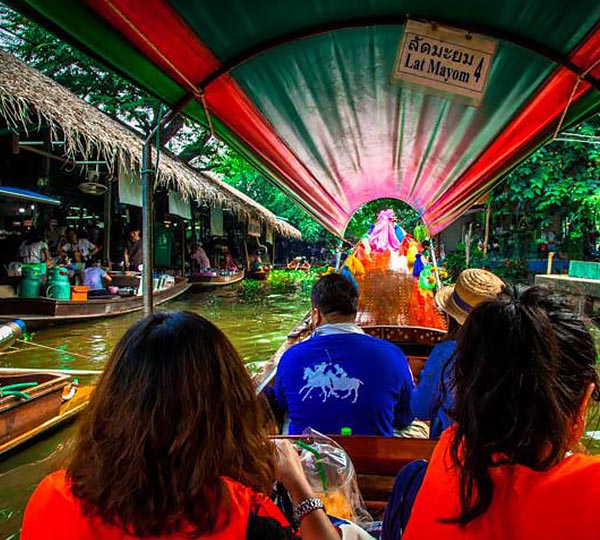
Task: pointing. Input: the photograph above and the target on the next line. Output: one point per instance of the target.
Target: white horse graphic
(330, 380)
(316, 379)
(342, 382)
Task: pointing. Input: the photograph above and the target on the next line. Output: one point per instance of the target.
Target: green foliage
(455, 262)
(562, 178)
(366, 215)
(513, 270)
(281, 281)
(241, 175)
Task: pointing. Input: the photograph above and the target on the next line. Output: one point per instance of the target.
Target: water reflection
(256, 325)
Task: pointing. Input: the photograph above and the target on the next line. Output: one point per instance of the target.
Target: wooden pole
(246, 253)
(468, 245)
(549, 266)
(107, 222)
(183, 225)
(486, 235)
(147, 227)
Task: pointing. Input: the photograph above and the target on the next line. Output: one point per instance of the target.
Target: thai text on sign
(445, 60)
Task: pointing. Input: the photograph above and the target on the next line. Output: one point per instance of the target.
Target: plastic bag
(331, 474)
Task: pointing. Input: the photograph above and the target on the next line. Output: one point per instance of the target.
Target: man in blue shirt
(340, 377)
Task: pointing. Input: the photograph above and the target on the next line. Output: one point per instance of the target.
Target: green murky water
(257, 324)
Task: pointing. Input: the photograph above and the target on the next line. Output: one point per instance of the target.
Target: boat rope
(580, 78)
(207, 114)
(54, 349)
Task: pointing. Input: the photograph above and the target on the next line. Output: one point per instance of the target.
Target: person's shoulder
(445, 348)
(54, 487)
(581, 469)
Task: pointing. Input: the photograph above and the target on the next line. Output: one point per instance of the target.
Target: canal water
(256, 319)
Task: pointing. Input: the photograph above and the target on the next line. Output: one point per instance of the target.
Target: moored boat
(32, 405)
(212, 279)
(40, 312)
(259, 275)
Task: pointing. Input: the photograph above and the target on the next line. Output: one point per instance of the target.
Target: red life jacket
(53, 512)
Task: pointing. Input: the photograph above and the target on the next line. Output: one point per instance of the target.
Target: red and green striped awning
(302, 88)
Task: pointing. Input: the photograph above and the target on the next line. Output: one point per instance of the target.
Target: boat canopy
(315, 92)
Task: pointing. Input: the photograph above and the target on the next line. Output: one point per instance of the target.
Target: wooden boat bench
(377, 460)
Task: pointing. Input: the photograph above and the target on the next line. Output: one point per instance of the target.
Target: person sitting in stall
(432, 398)
(34, 248)
(256, 264)
(511, 468)
(96, 278)
(174, 445)
(341, 377)
(228, 262)
(133, 254)
(82, 245)
(199, 257)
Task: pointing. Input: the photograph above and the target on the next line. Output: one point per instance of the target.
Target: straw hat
(472, 287)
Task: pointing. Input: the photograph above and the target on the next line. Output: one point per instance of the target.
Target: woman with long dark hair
(508, 469)
(432, 397)
(173, 445)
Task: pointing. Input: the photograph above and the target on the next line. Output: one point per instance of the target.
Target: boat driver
(340, 377)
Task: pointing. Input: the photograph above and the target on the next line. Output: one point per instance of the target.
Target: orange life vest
(558, 504)
(53, 512)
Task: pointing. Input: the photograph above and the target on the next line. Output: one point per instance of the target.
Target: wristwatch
(306, 507)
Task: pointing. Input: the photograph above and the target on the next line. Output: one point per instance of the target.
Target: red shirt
(53, 512)
(562, 503)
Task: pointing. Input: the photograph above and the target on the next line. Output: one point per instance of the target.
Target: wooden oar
(75, 372)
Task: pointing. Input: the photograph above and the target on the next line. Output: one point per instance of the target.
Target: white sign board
(446, 61)
(130, 185)
(179, 206)
(216, 221)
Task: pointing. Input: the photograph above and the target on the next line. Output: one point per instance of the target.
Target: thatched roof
(27, 97)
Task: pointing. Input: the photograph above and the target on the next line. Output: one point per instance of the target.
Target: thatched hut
(29, 100)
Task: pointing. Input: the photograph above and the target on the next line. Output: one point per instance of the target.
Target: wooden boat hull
(40, 312)
(210, 282)
(23, 422)
(18, 415)
(258, 276)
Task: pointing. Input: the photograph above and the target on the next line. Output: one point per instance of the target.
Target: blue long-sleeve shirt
(345, 380)
(430, 398)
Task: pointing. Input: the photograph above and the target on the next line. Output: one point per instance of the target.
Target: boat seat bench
(377, 460)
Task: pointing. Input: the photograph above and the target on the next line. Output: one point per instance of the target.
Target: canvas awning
(304, 90)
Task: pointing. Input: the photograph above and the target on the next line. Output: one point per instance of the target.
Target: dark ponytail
(523, 364)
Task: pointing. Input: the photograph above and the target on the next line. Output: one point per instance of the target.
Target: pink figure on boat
(383, 236)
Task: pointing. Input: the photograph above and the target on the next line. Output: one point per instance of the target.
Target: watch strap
(306, 507)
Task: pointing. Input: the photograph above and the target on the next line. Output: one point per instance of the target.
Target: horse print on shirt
(332, 381)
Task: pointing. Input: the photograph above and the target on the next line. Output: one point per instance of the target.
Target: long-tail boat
(211, 279)
(35, 404)
(42, 312)
(341, 103)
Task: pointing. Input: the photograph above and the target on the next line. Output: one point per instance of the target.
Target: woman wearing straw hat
(432, 397)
